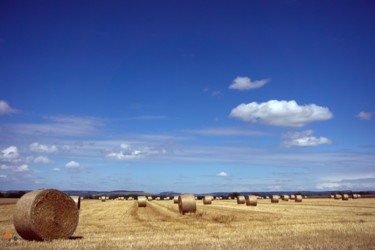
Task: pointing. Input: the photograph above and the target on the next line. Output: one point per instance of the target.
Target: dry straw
(292, 197)
(275, 198)
(149, 198)
(77, 201)
(45, 214)
(103, 198)
(207, 200)
(175, 200)
(142, 201)
(187, 204)
(241, 199)
(251, 200)
(338, 196)
(355, 196)
(298, 198)
(345, 197)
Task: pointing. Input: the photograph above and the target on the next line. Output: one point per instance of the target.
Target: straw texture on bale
(298, 198)
(187, 204)
(285, 197)
(175, 200)
(77, 201)
(142, 201)
(275, 198)
(251, 200)
(345, 197)
(338, 196)
(241, 199)
(45, 214)
(207, 200)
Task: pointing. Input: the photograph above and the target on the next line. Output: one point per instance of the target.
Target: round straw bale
(229, 198)
(298, 198)
(142, 201)
(187, 204)
(103, 198)
(355, 196)
(207, 200)
(251, 200)
(292, 196)
(267, 197)
(149, 198)
(45, 214)
(241, 199)
(275, 198)
(77, 201)
(175, 200)
(338, 196)
(345, 197)
(358, 195)
(285, 197)
(331, 196)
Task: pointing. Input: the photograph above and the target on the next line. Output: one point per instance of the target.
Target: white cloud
(244, 83)
(5, 108)
(225, 131)
(365, 115)
(3, 176)
(73, 165)
(42, 160)
(280, 113)
(40, 148)
(128, 152)
(22, 168)
(222, 174)
(4, 167)
(303, 139)
(10, 154)
(216, 93)
(56, 169)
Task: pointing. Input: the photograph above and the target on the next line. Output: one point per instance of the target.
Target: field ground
(116, 224)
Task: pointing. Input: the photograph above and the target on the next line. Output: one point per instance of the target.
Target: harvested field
(311, 224)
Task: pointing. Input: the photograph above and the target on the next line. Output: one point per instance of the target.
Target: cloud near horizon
(5, 108)
(280, 113)
(245, 83)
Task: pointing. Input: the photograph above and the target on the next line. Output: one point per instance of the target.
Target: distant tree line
(12, 194)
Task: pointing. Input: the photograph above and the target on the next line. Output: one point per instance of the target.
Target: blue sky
(197, 96)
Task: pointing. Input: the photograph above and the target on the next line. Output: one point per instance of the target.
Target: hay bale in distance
(45, 214)
(187, 204)
(251, 200)
(149, 198)
(142, 201)
(175, 199)
(298, 198)
(77, 201)
(292, 197)
(345, 197)
(103, 198)
(338, 196)
(207, 200)
(285, 197)
(275, 198)
(241, 199)
(354, 196)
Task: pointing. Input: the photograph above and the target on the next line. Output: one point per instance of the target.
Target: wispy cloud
(42, 160)
(5, 108)
(280, 113)
(303, 139)
(222, 174)
(245, 83)
(129, 153)
(365, 115)
(225, 131)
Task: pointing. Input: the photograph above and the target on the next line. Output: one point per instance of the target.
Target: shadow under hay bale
(187, 204)
(142, 201)
(45, 214)
(251, 200)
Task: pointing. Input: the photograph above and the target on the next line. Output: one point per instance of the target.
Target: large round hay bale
(298, 198)
(175, 199)
(77, 201)
(241, 199)
(207, 200)
(187, 203)
(345, 197)
(285, 197)
(354, 196)
(142, 201)
(251, 200)
(103, 198)
(338, 196)
(45, 214)
(359, 196)
(292, 197)
(275, 198)
(149, 198)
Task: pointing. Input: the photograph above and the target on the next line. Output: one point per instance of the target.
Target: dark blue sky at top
(153, 67)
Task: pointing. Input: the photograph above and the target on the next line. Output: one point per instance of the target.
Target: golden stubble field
(116, 224)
